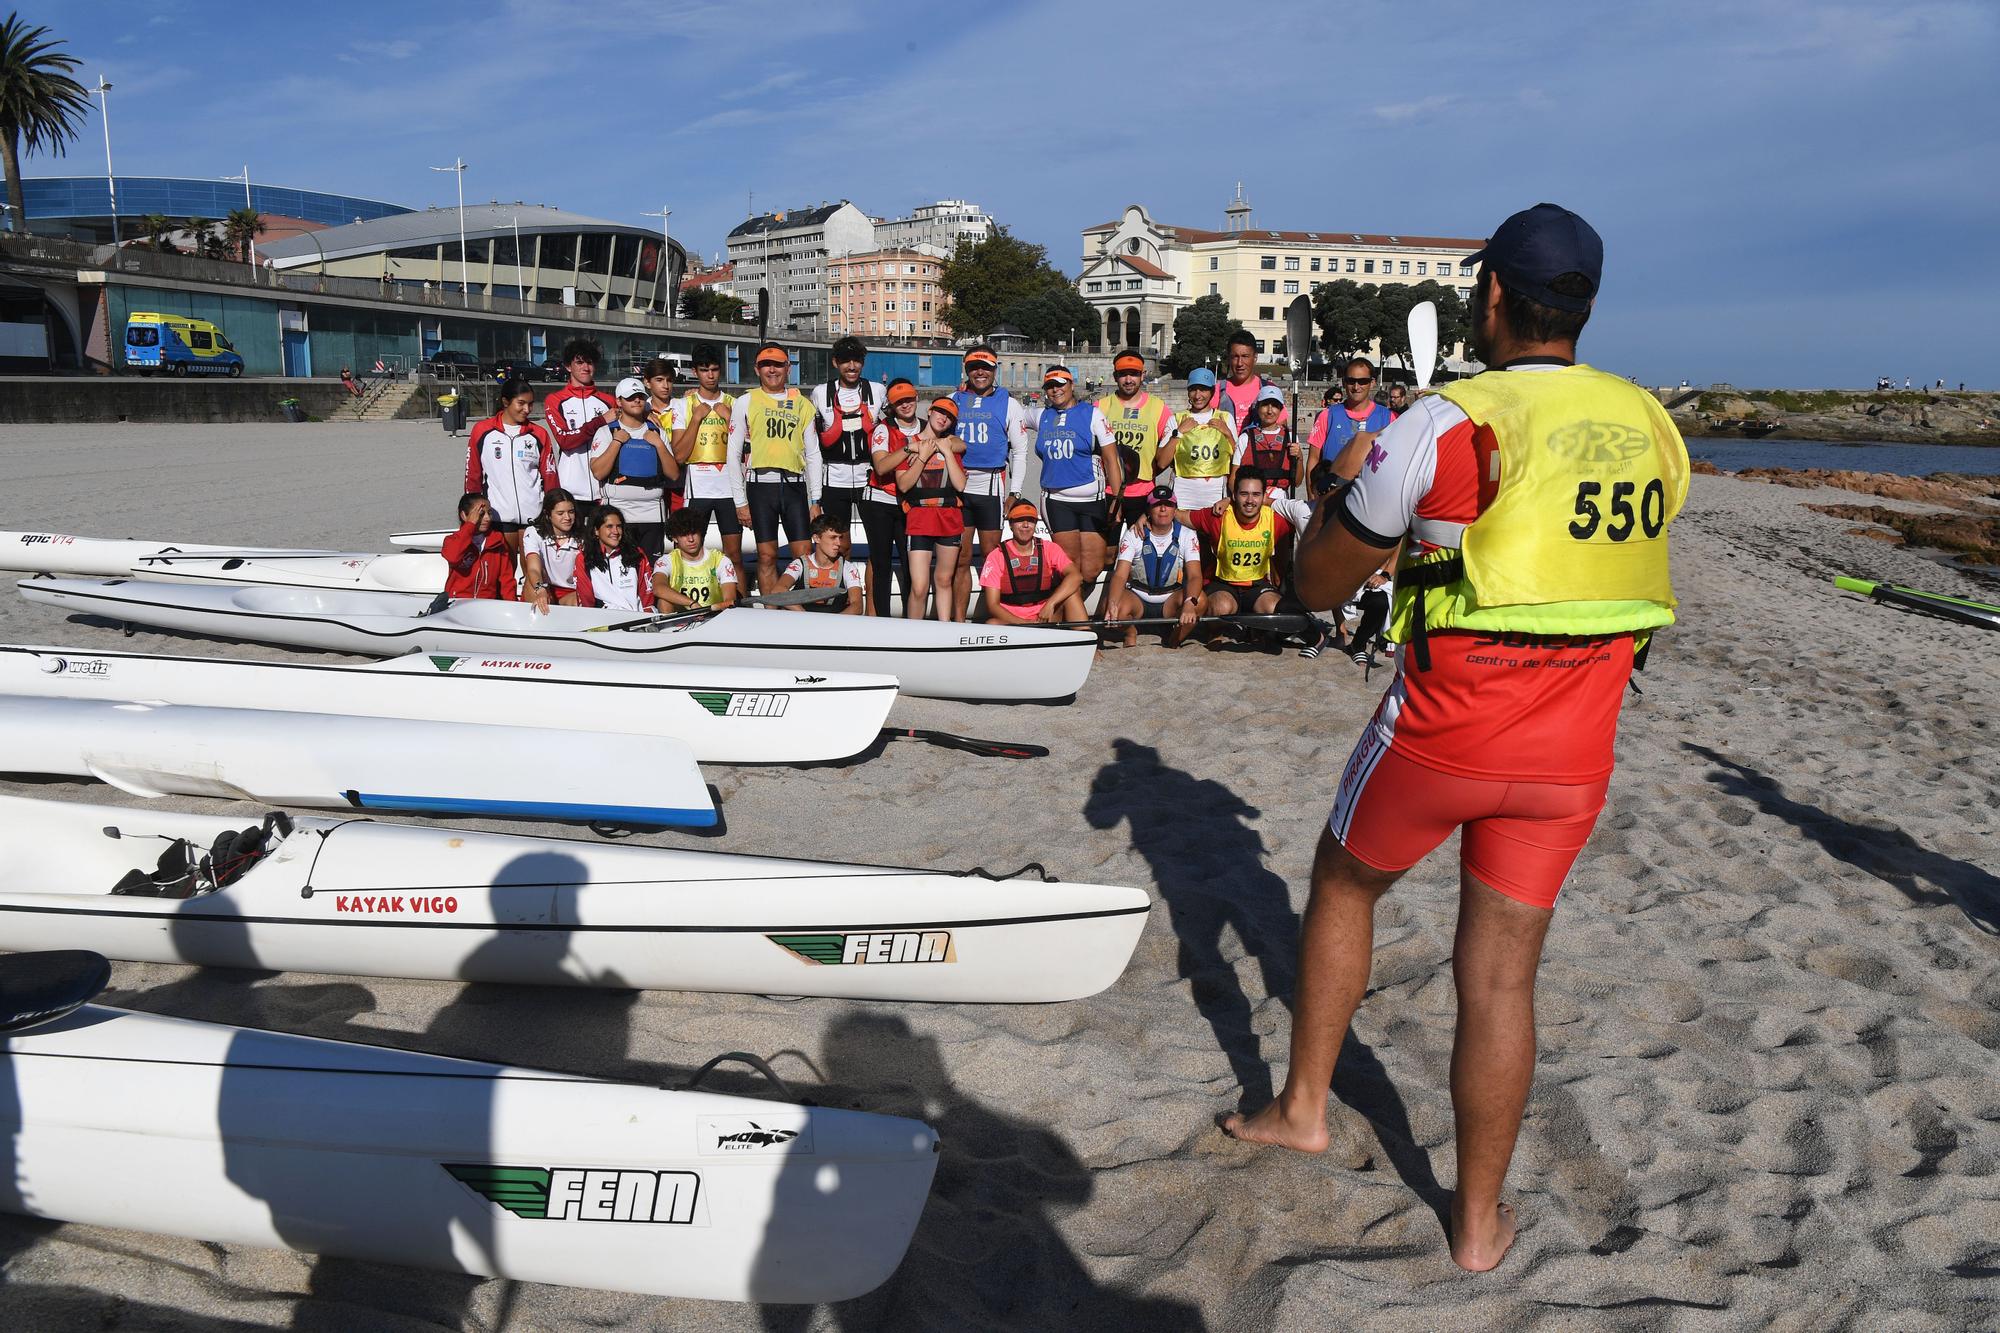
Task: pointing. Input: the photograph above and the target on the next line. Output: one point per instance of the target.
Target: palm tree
(154, 227)
(243, 226)
(41, 107)
(198, 235)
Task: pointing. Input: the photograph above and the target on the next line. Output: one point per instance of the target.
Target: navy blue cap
(1547, 254)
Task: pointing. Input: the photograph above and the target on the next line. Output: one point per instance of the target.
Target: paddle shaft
(1292, 621)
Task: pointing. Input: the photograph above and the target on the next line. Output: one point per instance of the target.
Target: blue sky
(1790, 193)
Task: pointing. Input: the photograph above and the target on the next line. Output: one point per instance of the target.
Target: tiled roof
(1202, 236)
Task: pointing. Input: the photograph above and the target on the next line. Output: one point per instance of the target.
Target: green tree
(1393, 304)
(243, 226)
(1349, 317)
(1201, 335)
(713, 306)
(154, 227)
(1055, 315)
(986, 281)
(41, 106)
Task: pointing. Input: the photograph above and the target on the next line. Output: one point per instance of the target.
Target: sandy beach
(1768, 1094)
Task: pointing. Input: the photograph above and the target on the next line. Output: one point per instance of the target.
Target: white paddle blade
(1424, 341)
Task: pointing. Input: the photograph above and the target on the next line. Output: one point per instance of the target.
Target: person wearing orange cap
(1079, 467)
(1142, 428)
(928, 482)
(1029, 581)
(774, 424)
(881, 507)
(998, 430)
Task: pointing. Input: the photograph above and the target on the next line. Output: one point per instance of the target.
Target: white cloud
(1398, 113)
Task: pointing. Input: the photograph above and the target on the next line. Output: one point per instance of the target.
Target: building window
(1214, 289)
(1420, 268)
(1268, 261)
(1214, 263)
(1260, 346)
(1267, 312)
(1267, 285)
(1134, 284)
(1350, 266)
(1403, 266)
(1367, 266)
(1093, 286)
(1315, 267)
(1291, 286)
(1316, 286)
(1292, 263)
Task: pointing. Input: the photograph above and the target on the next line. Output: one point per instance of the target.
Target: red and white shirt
(570, 415)
(511, 466)
(1491, 706)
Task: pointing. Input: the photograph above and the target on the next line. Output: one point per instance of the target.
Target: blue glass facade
(58, 198)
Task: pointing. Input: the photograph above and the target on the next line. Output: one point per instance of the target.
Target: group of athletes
(1529, 504)
(610, 499)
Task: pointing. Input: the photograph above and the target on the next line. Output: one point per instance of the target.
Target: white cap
(631, 387)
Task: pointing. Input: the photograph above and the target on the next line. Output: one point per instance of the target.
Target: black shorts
(920, 542)
(983, 511)
(775, 503)
(1069, 516)
(1246, 594)
(503, 527)
(722, 510)
(1132, 508)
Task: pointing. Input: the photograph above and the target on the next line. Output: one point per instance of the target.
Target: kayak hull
(928, 658)
(97, 557)
(227, 1134)
(724, 715)
(361, 898)
(321, 760)
(409, 573)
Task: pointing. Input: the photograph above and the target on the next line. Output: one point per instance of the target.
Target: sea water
(1909, 460)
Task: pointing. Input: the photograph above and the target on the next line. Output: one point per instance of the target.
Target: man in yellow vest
(700, 428)
(779, 487)
(1532, 503)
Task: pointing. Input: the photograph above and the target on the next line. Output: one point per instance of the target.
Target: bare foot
(1479, 1247)
(1131, 638)
(1271, 1125)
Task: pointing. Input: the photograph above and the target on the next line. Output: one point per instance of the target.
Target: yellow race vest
(1591, 471)
(711, 438)
(1204, 450)
(697, 580)
(1245, 555)
(1135, 429)
(778, 429)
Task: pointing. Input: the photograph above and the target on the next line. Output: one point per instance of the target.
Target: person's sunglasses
(1345, 380)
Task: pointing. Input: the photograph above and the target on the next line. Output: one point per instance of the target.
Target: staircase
(382, 400)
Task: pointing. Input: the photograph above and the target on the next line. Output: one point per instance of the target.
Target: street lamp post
(247, 207)
(457, 167)
(666, 256)
(104, 113)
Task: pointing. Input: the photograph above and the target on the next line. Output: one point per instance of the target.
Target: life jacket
(1590, 472)
(1159, 571)
(711, 438)
(1063, 441)
(833, 576)
(885, 482)
(1269, 455)
(1029, 577)
(697, 580)
(845, 437)
(933, 489)
(638, 462)
(778, 429)
(1204, 448)
(1340, 427)
(1246, 555)
(982, 424)
(1135, 429)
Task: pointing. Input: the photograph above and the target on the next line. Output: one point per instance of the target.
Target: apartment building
(937, 229)
(787, 252)
(892, 293)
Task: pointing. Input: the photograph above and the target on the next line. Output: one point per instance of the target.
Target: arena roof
(437, 226)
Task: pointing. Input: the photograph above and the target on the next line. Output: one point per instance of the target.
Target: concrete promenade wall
(60, 399)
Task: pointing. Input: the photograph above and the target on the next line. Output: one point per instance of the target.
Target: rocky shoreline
(1837, 416)
(1961, 514)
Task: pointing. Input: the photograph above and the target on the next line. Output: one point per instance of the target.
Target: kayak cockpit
(188, 869)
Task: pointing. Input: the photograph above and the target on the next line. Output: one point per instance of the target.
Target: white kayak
(235, 1135)
(429, 540)
(318, 759)
(929, 658)
(363, 898)
(726, 715)
(409, 572)
(97, 557)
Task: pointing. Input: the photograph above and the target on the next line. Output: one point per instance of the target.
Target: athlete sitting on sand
(1158, 572)
(1252, 545)
(616, 575)
(1029, 581)
(1517, 648)
(690, 578)
(477, 561)
(823, 566)
(552, 559)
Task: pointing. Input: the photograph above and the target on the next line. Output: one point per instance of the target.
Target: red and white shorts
(1519, 837)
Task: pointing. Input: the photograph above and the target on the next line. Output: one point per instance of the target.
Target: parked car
(453, 366)
(527, 370)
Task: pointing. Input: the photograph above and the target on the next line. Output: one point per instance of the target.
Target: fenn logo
(724, 703)
(884, 946)
(584, 1194)
(1599, 442)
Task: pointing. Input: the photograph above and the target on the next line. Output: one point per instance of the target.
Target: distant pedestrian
(1906, 381)
(354, 390)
